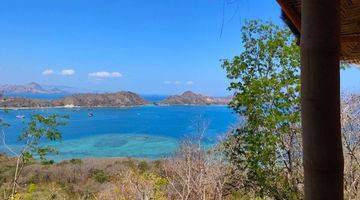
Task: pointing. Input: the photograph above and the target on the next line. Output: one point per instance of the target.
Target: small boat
(69, 106)
(90, 114)
(20, 116)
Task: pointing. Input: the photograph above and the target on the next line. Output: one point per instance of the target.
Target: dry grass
(195, 174)
(192, 172)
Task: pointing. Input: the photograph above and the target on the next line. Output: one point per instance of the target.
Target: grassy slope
(82, 179)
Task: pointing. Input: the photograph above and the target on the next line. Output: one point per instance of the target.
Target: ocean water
(144, 132)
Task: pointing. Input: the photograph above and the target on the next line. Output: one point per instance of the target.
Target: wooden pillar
(320, 90)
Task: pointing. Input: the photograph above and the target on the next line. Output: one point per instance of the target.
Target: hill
(30, 88)
(119, 99)
(191, 98)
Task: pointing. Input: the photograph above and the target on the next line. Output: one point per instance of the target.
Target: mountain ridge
(30, 88)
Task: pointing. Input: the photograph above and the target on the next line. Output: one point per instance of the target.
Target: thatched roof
(350, 25)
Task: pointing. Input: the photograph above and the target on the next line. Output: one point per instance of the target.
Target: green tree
(39, 130)
(266, 148)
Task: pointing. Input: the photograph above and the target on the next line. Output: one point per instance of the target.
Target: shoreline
(95, 107)
(115, 158)
(64, 107)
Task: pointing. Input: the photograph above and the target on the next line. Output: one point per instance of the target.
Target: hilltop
(191, 98)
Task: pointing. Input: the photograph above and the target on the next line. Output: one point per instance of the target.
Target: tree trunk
(320, 90)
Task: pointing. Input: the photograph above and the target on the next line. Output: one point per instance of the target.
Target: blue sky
(149, 47)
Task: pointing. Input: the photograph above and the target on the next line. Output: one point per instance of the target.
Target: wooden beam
(290, 13)
(350, 38)
(320, 99)
(296, 20)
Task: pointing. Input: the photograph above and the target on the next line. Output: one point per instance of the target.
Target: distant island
(191, 98)
(118, 99)
(30, 88)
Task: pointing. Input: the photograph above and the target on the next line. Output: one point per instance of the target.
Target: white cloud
(48, 72)
(105, 74)
(178, 82)
(67, 72)
(189, 82)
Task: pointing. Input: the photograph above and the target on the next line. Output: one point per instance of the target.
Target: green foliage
(143, 166)
(158, 184)
(76, 161)
(157, 164)
(41, 192)
(265, 82)
(32, 187)
(99, 175)
(39, 129)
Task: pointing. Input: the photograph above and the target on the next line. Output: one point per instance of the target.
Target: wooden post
(320, 90)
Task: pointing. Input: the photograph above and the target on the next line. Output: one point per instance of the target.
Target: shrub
(195, 174)
(99, 175)
(32, 188)
(143, 166)
(75, 161)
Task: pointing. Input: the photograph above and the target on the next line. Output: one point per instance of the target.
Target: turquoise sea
(145, 132)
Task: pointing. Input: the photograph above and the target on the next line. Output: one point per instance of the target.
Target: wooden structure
(330, 32)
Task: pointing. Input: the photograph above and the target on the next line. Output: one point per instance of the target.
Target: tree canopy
(265, 80)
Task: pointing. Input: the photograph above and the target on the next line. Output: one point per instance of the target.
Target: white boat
(20, 116)
(69, 106)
